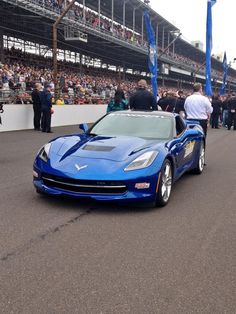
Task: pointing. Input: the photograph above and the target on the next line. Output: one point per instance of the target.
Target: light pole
(177, 35)
(229, 66)
(54, 43)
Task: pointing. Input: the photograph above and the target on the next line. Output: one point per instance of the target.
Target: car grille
(84, 186)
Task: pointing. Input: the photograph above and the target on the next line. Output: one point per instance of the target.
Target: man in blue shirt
(46, 105)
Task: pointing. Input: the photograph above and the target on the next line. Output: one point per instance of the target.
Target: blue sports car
(124, 156)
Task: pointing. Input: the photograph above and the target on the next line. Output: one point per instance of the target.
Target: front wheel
(165, 184)
(39, 192)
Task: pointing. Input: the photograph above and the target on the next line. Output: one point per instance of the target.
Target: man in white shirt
(198, 107)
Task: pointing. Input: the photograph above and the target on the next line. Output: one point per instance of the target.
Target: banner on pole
(152, 53)
(208, 89)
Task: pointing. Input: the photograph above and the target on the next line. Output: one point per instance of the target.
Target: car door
(183, 148)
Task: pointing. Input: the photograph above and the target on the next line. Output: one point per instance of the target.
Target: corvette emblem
(80, 168)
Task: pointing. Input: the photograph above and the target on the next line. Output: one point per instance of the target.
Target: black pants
(215, 120)
(203, 123)
(37, 118)
(46, 119)
(231, 120)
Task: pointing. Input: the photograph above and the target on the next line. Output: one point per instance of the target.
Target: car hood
(101, 147)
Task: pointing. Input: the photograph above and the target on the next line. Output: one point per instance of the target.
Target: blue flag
(152, 53)
(208, 89)
(225, 69)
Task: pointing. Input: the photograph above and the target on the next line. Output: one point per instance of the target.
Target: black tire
(201, 160)
(165, 184)
(39, 192)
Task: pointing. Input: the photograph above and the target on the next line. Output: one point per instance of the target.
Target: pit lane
(65, 256)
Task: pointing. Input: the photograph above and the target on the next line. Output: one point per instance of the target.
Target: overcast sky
(190, 17)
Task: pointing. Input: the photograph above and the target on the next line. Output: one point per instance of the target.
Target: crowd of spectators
(21, 71)
(104, 24)
(92, 19)
(195, 66)
(55, 5)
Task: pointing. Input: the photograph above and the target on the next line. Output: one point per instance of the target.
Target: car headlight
(143, 161)
(44, 152)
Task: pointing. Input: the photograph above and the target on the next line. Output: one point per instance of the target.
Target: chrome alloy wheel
(201, 161)
(166, 182)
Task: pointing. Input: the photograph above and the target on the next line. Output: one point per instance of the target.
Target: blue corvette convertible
(125, 156)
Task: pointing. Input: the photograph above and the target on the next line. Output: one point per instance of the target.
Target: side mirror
(84, 127)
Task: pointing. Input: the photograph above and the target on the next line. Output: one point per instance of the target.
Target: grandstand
(104, 35)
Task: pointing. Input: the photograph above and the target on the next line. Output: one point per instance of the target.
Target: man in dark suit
(142, 99)
(232, 111)
(37, 106)
(179, 108)
(46, 105)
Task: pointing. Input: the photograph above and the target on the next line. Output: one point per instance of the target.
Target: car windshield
(134, 124)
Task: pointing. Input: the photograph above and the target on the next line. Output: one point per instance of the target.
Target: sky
(190, 17)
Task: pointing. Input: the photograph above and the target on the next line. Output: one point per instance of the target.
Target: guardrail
(20, 117)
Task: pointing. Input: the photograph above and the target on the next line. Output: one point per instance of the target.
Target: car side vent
(97, 148)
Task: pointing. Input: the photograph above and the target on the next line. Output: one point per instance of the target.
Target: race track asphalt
(64, 256)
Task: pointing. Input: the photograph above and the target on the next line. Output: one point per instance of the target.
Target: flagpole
(208, 88)
(152, 53)
(225, 70)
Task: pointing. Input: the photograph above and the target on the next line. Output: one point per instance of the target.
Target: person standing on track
(142, 99)
(118, 103)
(37, 106)
(232, 111)
(216, 105)
(46, 103)
(198, 107)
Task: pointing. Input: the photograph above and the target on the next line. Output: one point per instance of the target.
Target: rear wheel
(165, 184)
(201, 160)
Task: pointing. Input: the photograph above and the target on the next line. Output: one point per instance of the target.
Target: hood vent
(97, 148)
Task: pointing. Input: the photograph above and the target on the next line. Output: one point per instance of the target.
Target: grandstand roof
(139, 6)
(18, 20)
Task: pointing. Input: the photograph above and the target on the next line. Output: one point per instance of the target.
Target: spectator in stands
(11, 84)
(19, 100)
(27, 99)
(142, 99)
(46, 105)
(37, 106)
(5, 80)
(198, 107)
(60, 101)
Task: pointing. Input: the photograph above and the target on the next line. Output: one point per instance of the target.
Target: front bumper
(124, 192)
